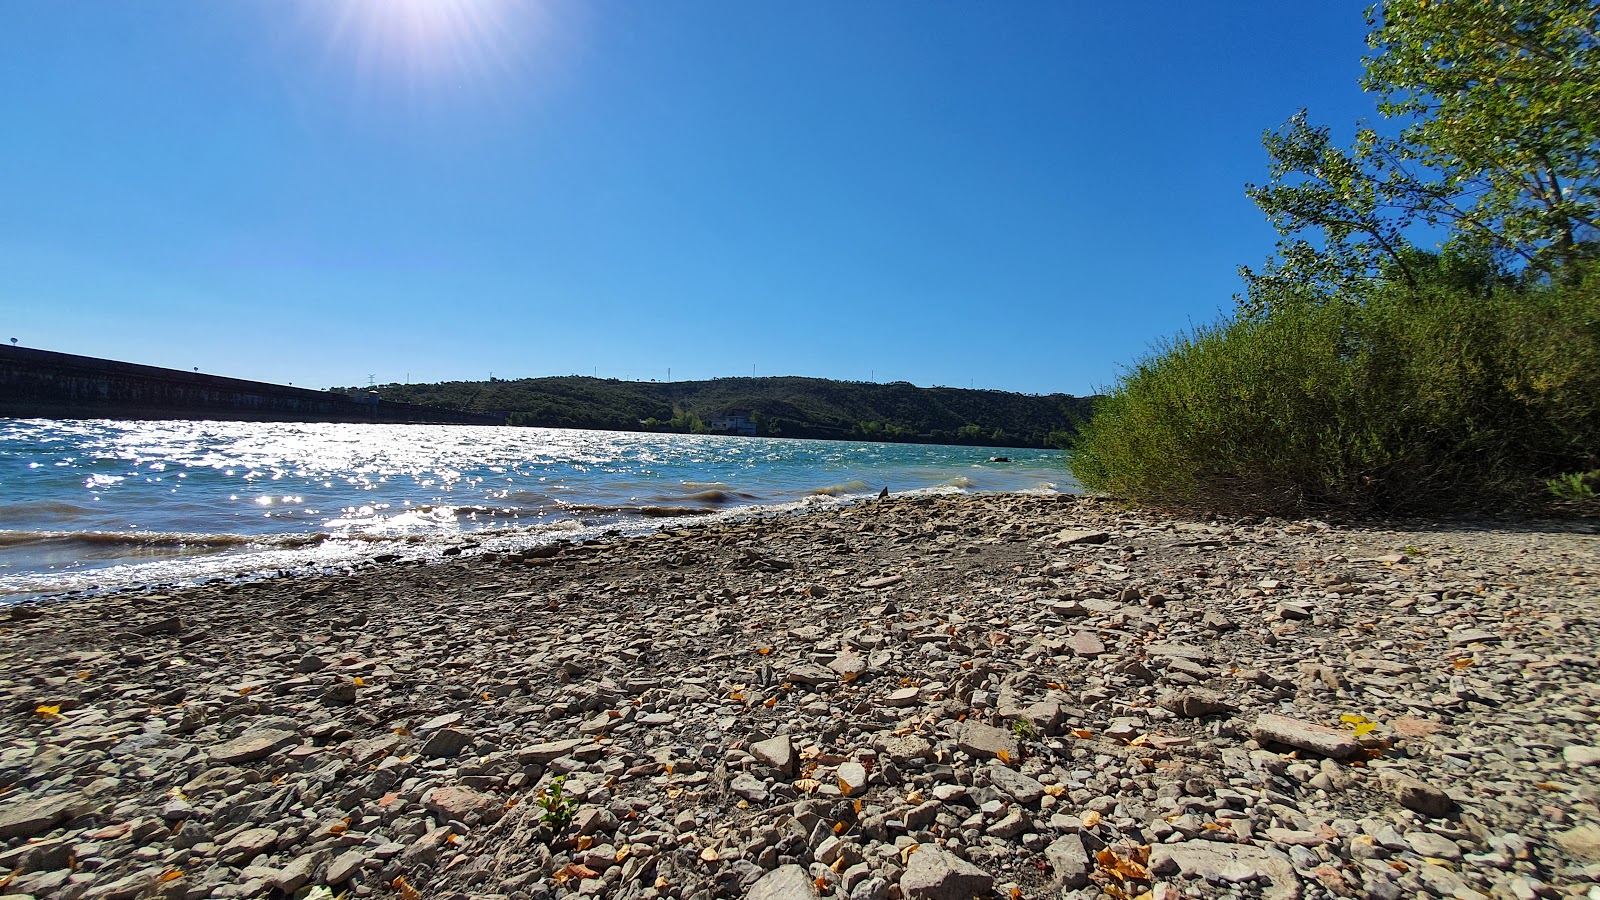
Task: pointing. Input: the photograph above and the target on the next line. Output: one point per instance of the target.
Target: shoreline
(830, 699)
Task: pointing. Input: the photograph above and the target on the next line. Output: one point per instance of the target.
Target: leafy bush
(1418, 398)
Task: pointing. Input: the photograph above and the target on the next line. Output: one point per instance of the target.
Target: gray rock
(1426, 843)
(542, 754)
(811, 674)
(1417, 796)
(446, 743)
(1018, 786)
(1228, 863)
(1076, 536)
(749, 787)
(789, 882)
(1196, 703)
(1086, 644)
(253, 745)
(777, 752)
(936, 874)
(1579, 756)
(1582, 842)
(344, 867)
(1069, 862)
(249, 843)
(1306, 736)
(24, 818)
(987, 742)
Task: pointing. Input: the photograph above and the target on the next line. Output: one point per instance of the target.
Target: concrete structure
(43, 384)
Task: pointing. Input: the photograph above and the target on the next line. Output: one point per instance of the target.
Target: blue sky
(1023, 196)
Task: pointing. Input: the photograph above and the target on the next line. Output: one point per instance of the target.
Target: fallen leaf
(807, 785)
(1082, 734)
(771, 702)
(83, 676)
(1462, 663)
(839, 827)
(1091, 819)
(764, 651)
(1003, 756)
(573, 870)
(358, 681)
(585, 842)
(407, 892)
(1055, 790)
(171, 875)
(49, 711)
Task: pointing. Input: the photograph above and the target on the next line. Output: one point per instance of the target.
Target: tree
(1497, 108)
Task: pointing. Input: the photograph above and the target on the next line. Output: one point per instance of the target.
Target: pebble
(919, 697)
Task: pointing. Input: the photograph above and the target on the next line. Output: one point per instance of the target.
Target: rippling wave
(100, 503)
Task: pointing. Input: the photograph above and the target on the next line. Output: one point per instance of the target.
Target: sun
(424, 41)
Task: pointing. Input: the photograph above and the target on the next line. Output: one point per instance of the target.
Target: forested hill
(781, 407)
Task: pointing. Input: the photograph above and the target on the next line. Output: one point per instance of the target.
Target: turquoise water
(96, 504)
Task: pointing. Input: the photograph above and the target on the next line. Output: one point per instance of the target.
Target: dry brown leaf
(49, 711)
(171, 875)
(585, 842)
(1082, 734)
(1091, 819)
(407, 892)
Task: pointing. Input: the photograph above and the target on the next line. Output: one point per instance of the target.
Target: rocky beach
(997, 696)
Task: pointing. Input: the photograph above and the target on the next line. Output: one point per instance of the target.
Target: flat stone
(749, 787)
(901, 697)
(907, 747)
(1318, 739)
(1072, 536)
(1228, 863)
(23, 818)
(935, 874)
(852, 778)
(1582, 842)
(882, 581)
(777, 752)
(1011, 825)
(550, 751)
(1473, 636)
(810, 673)
(849, 665)
(253, 745)
(465, 804)
(1196, 703)
(1069, 862)
(1086, 644)
(374, 749)
(1178, 651)
(446, 743)
(344, 867)
(1018, 786)
(789, 882)
(250, 843)
(1578, 755)
(987, 742)
(1426, 843)
(1418, 796)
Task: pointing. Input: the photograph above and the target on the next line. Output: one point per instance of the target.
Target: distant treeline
(776, 407)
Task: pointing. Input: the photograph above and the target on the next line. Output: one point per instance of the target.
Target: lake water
(99, 504)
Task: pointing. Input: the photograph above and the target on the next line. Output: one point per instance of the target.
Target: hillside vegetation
(1366, 371)
(779, 407)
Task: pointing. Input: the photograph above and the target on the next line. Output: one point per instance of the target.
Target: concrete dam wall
(47, 385)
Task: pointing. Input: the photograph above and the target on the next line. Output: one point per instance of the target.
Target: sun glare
(428, 40)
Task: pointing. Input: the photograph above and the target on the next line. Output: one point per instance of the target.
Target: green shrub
(1415, 399)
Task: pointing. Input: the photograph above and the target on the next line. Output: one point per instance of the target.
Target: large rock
(1221, 863)
(1582, 842)
(1417, 796)
(1196, 703)
(446, 743)
(935, 874)
(24, 818)
(465, 805)
(784, 883)
(1020, 787)
(987, 742)
(1069, 862)
(777, 752)
(541, 754)
(1318, 739)
(253, 745)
